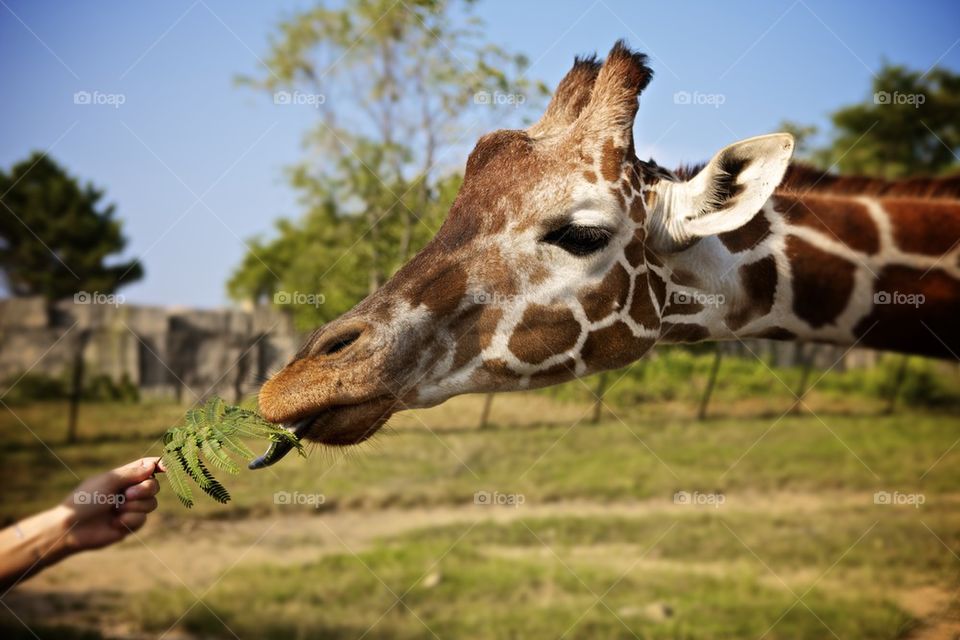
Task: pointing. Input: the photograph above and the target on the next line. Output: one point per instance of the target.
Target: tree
(55, 237)
(396, 85)
(907, 127)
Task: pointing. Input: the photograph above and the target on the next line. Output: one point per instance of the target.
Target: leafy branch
(209, 436)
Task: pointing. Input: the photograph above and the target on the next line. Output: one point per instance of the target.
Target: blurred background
(187, 188)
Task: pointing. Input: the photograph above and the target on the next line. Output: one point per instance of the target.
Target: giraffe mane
(804, 178)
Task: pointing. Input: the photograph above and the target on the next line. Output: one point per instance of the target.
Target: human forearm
(32, 544)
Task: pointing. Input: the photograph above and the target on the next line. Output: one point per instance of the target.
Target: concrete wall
(170, 352)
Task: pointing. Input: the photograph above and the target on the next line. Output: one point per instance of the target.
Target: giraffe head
(546, 268)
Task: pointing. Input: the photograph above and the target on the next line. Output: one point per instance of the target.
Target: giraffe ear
(569, 99)
(613, 101)
(724, 195)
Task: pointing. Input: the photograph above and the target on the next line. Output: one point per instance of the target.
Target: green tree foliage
(397, 86)
(908, 126)
(55, 237)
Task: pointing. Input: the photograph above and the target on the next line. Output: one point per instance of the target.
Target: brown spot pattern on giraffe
(641, 307)
(747, 236)
(611, 161)
(559, 372)
(635, 249)
(929, 328)
(838, 219)
(618, 194)
(441, 288)
(684, 278)
(472, 331)
(924, 227)
(500, 281)
(652, 257)
(495, 371)
(777, 333)
(659, 287)
(613, 347)
(822, 282)
(638, 209)
(683, 332)
(760, 285)
(542, 332)
(608, 296)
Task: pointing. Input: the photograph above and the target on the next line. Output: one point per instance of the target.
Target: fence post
(705, 400)
(76, 385)
(485, 416)
(808, 360)
(602, 380)
(897, 383)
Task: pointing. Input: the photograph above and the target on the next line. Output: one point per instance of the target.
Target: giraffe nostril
(338, 343)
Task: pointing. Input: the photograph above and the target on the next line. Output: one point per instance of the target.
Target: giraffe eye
(578, 240)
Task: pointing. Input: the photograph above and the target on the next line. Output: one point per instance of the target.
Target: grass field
(782, 538)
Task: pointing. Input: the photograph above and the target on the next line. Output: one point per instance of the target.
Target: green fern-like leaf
(179, 481)
(207, 437)
(214, 453)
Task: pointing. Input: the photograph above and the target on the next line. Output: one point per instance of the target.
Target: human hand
(106, 508)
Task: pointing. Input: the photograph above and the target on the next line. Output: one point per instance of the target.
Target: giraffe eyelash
(578, 240)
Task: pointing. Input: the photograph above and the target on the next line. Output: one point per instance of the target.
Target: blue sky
(195, 163)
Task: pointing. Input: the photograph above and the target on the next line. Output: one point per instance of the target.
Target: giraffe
(564, 255)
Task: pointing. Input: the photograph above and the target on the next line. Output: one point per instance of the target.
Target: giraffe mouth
(339, 426)
(278, 450)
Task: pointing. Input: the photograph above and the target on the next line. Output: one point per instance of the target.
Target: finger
(130, 521)
(145, 505)
(144, 489)
(133, 472)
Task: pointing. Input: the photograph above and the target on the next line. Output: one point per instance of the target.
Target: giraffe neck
(850, 270)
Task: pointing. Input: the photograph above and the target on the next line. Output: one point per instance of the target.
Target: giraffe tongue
(278, 450)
